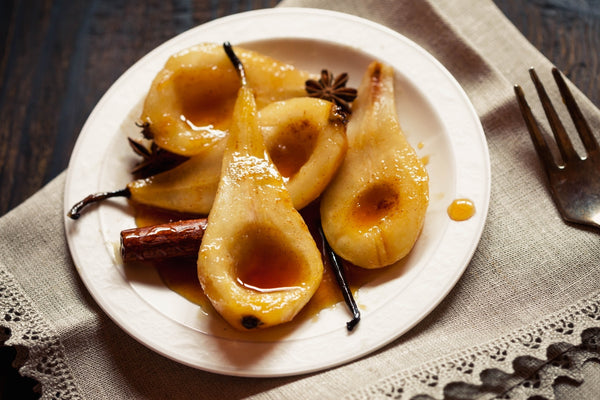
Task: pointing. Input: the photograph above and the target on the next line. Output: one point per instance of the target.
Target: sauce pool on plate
(461, 209)
(179, 274)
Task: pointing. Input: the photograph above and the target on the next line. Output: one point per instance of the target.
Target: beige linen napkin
(529, 294)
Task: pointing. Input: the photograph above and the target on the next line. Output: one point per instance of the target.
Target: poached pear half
(189, 105)
(258, 263)
(305, 137)
(374, 209)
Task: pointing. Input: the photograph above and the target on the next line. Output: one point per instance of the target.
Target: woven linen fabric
(527, 309)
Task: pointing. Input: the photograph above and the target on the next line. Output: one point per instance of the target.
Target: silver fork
(574, 183)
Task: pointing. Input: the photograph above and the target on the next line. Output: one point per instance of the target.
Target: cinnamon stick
(174, 239)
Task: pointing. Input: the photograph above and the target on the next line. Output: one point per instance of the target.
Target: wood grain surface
(59, 57)
(567, 32)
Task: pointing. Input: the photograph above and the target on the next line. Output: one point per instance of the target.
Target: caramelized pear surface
(305, 137)
(258, 263)
(190, 102)
(190, 187)
(374, 209)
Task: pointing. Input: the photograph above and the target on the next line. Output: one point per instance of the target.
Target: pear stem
(237, 63)
(340, 277)
(75, 211)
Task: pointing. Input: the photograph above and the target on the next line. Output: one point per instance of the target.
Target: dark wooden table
(57, 58)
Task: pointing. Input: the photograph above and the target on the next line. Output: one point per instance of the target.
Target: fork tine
(560, 134)
(589, 142)
(537, 138)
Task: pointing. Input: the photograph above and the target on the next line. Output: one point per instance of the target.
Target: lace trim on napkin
(39, 352)
(519, 366)
(522, 365)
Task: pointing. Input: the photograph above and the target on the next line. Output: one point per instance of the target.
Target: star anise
(332, 89)
(146, 131)
(154, 158)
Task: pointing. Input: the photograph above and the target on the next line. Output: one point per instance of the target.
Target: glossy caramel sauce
(180, 274)
(147, 216)
(375, 203)
(266, 264)
(293, 147)
(205, 105)
(461, 209)
(203, 115)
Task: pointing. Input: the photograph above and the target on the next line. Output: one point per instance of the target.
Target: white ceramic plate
(438, 120)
